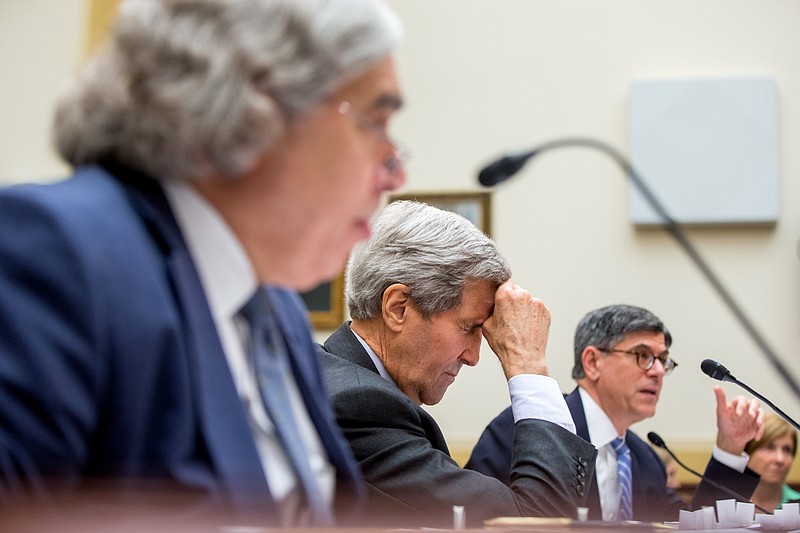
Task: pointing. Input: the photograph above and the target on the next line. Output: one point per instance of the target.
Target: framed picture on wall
(474, 206)
(326, 304)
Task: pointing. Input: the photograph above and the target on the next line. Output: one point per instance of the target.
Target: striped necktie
(624, 476)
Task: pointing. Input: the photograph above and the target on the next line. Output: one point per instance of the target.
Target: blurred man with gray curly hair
(227, 154)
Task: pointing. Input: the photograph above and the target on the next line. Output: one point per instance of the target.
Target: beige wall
(486, 76)
(483, 78)
(41, 45)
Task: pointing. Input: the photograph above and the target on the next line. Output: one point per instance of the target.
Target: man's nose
(472, 354)
(392, 174)
(657, 368)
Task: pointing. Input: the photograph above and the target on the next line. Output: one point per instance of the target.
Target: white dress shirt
(229, 281)
(601, 433)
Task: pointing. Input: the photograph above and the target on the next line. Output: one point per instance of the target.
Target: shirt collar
(375, 359)
(225, 271)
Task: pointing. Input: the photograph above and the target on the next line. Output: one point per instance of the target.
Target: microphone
(718, 371)
(654, 438)
(505, 167)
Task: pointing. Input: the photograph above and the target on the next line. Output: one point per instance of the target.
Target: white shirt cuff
(535, 396)
(736, 462)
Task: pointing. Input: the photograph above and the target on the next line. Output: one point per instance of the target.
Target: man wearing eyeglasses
(155, 358)
(621, 358)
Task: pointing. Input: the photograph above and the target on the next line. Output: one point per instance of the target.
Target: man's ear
(395, 306)
(591, 360)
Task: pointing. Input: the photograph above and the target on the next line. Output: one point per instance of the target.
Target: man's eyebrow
(391, 101)
(640, 347)
(471, 326)
(649, 349)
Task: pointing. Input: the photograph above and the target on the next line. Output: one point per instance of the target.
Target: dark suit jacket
(110, 363)
(652, 500)
(413, 481)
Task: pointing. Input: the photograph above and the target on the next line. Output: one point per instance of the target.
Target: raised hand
(517, 331)
(738, 422)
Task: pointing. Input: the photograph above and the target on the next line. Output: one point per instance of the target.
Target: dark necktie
(624, 477)
(273, 370)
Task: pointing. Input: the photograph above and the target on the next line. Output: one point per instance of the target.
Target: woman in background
(772, 457)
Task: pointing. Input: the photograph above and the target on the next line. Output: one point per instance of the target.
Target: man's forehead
(375, 99)
(378, 87)
(645, 337)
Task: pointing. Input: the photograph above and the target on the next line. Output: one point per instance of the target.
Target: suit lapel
(292, 321)
(343, 343)
(222, 419)
(575, 406)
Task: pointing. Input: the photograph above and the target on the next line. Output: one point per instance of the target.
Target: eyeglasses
(401, 153)
(646, 360)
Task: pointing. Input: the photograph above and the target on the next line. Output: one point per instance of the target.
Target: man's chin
(312, 280)
(645, 411)
(434, 397)
(648, 413)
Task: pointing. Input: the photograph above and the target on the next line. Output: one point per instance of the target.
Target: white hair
(191, 87)
(432, 251)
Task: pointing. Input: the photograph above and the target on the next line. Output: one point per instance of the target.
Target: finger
(755, 408)
(740, 405)
(721, 401)
(760, 421)
(749, 407)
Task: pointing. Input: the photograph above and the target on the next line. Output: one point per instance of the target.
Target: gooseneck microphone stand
(504, 168)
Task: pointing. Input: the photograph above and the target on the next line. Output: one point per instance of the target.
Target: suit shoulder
(504, 419)
(357, 392)
(89, 189)
(341, 374)
(90, 203)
